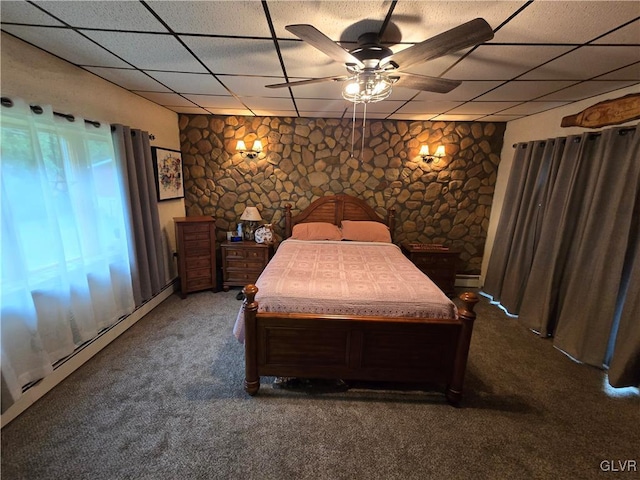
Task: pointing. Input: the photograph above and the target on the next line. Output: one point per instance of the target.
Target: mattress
(348, 278)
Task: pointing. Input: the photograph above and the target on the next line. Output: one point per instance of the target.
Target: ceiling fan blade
(466, 35)
(308, 82)
(422, 82)
(316, 38)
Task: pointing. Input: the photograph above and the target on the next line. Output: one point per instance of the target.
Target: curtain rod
(37, 109)
(622, 131)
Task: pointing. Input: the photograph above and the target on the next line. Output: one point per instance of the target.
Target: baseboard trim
(469, 281)
(45, 385)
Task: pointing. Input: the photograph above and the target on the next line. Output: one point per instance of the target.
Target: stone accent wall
(448, 201)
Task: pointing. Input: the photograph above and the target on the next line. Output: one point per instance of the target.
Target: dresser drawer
(199, 283)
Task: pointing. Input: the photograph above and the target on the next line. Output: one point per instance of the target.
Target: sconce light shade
(251, 214)
(424, 153)
(253, 153)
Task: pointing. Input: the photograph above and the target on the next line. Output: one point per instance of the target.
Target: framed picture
(168, 168)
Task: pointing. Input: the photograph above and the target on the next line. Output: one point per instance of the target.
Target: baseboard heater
(471, 281)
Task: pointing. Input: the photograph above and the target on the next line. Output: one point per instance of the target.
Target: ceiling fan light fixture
(367, 87)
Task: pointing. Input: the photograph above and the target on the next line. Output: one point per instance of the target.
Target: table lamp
(251, 215)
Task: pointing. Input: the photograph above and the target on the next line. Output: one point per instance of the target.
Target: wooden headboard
(334, 209)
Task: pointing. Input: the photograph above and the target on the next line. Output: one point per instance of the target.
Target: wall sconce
(424, 153)
(253, 153)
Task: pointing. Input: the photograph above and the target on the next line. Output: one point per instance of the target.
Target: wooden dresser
(439, 264)
(243, 262)
(196, 242)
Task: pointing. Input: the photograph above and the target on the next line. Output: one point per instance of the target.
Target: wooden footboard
(363, 348)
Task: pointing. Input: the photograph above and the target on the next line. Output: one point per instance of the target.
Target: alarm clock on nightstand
(264, 234)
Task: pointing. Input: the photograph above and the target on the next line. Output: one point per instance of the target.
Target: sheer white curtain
(65, 262)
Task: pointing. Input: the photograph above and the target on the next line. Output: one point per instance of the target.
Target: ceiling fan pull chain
(353, 130)
(364, 120)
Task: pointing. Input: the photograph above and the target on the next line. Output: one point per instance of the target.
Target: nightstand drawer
(244, 265)
(427, 260)
(437, 264)
(241, 277)
(243, 262)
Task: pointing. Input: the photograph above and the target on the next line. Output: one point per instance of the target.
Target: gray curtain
(133, 152)
(521, 221)
(567, 273)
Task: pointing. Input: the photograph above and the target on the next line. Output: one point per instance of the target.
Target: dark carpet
(165, 401)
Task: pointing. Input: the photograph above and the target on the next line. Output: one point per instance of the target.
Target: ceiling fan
(373, 68)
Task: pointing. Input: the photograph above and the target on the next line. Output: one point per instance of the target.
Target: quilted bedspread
(352, 278)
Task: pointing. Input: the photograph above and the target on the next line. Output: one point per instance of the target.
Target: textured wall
(304, 158)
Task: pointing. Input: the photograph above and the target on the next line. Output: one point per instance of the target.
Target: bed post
(467, 315)
(391, 221)
(251, 377)
(287, 221)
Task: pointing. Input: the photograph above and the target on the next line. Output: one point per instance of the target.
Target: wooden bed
(420, 351)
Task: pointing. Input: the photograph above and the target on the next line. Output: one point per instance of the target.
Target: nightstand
(243, 262)
(439, 264)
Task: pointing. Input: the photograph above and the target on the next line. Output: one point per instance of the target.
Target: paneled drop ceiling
(217, 56)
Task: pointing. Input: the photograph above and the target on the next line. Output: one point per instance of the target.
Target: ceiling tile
(566, 21)
(500, 118)
(190, 110)
(624, 35)
(340, 21)
(523, 90)
(116, 15)
(532, 107)
(412, 116)
(320, 114)
(418, 20)
(275, 113)
(428, 107)
(148, 51)
(236, 56)
(582, 64)
(230, 111)
(500, 62)
(632, 72)
(203, 83)
(216, 101)
(128, 78)
(242, 18)
(166, 99)
(327, 90)
(469, 89)
(66, 44)
(23, 12)
(484, 108)
(263, 103)
(302, 60)
(312, 105)
(585, 90)
(455, 118)
(233, 40)
(243, 85)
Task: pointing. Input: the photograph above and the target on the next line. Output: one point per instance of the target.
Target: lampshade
(257, 146)
(240, 145)
(251, 214)
(424, 151)
(440, 151)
